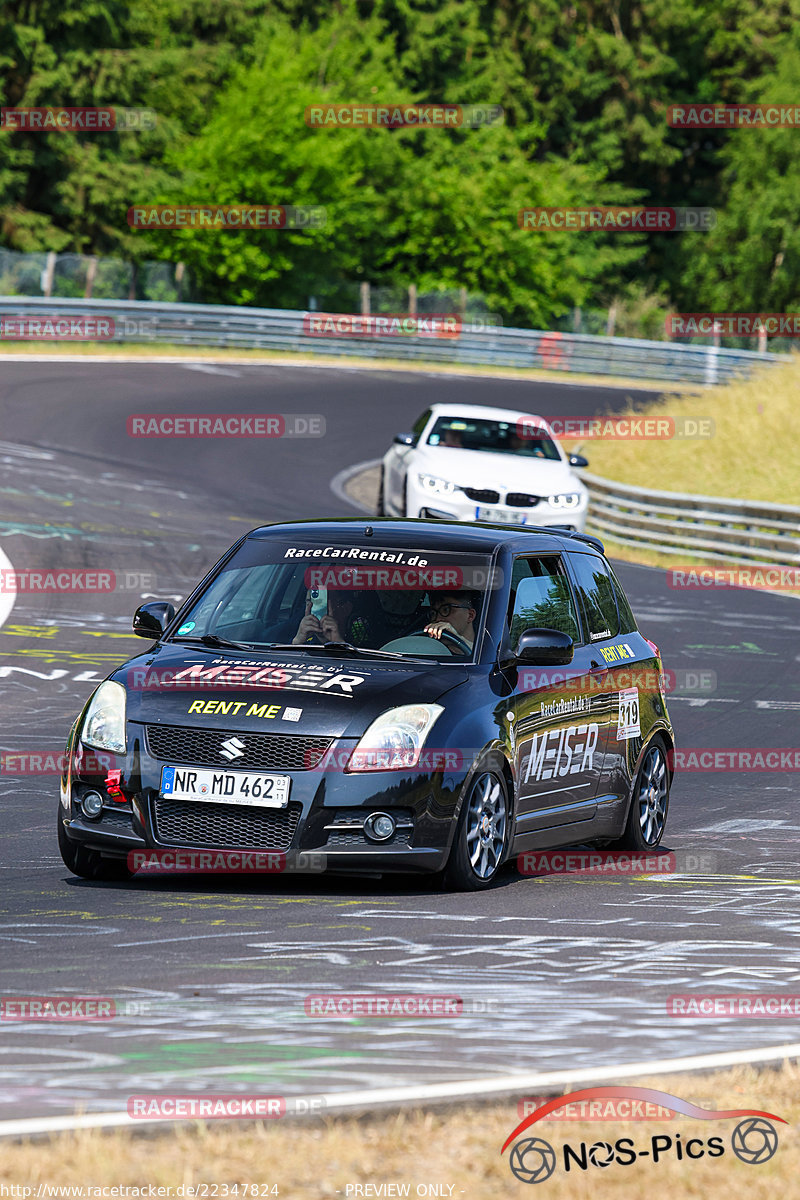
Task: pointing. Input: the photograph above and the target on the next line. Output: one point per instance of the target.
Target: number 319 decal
(628, 726)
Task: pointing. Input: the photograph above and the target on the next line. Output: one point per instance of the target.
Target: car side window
(627, 621)
(420, 424)
(541, 598)
(596, 593)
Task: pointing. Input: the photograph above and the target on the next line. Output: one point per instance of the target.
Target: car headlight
(439, 487)
(565, 500)
(395, 739)
(104, 725)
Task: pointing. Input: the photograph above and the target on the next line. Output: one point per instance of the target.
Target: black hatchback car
(393, 695)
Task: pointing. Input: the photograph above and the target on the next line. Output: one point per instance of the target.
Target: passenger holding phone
(339, 624)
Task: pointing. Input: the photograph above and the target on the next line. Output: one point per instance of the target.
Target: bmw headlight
(435, 485)
(565, 500)
(395, 739)
(104, 725)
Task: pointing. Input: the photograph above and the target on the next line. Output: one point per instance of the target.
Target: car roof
(482, 411)
(442, 535)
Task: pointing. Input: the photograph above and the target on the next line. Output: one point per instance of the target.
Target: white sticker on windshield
(628, 725)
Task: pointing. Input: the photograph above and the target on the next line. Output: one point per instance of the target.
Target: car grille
(482, 495)
(522, 500)
(119, 817)
(263, 751)
(224, 826)
(352, 837)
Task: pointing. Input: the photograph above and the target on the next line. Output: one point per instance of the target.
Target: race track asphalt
(209, 976)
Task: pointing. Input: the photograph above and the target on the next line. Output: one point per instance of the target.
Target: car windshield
(408, 602)
(523, 437)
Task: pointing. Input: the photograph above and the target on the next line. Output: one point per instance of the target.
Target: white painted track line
(6, 598)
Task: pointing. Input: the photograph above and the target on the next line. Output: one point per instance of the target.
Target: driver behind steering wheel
(455, 612)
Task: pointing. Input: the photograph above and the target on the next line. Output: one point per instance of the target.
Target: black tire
(481, 838)
(380, 507)
(647, 818)
(89, 864)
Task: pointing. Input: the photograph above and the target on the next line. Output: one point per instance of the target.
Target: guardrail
(283, 329)
(697, 526)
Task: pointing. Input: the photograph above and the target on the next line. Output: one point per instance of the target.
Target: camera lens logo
(754, 1140)
(601, 1154)
(533, 1160)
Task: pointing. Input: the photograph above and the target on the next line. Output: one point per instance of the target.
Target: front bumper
(459, 507)
(324, 818)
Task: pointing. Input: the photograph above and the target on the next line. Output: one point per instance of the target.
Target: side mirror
(544, 648)
(577, 460)
(150, 620)
(404, 439)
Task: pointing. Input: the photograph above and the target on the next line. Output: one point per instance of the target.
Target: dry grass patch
(752, 454)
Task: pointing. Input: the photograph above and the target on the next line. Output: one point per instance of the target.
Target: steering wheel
(461, 647)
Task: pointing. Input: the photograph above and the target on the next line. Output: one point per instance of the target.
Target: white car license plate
(225, 787)
(501, 516)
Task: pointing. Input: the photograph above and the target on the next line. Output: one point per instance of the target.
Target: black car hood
(280, 692)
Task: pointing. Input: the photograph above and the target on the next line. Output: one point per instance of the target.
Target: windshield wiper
(341, 647)
(362, 650)
(216, 643)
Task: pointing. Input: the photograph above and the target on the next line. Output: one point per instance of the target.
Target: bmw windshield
(404, 602)
(521, 437)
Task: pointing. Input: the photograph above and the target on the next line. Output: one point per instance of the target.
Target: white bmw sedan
(467, 462)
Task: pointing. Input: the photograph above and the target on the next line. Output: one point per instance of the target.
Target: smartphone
(319, 601)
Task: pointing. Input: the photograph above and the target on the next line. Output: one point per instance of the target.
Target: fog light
(379, 827)
(92, 805)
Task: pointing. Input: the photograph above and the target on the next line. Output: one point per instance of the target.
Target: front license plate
(501, 516)
(225, 787)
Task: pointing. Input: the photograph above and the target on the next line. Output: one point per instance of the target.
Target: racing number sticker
(628, 725)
